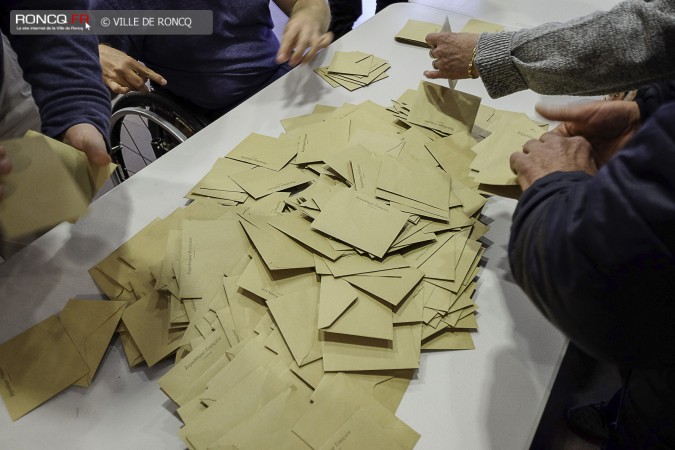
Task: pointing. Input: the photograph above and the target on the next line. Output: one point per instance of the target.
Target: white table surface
(488, 398)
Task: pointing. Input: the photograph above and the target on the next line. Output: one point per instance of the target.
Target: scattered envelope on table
(91, 325)
(414, 32)
(38, 364)
(264, 151)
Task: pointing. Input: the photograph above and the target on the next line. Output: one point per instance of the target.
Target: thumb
(564, 113)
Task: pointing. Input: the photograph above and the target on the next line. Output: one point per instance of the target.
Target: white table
(491, 397)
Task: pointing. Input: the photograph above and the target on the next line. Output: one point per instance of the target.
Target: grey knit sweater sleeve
(623, 48)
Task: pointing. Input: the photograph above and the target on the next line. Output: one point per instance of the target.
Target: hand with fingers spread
(552, 153)
(452, 55)
(5, 168)
(607, 125)
(122, 73)
(305, 33)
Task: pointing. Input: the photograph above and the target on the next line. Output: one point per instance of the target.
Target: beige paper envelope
(355, 63)
(360, 221)
(414, 148)
(480, 26)
(270, 426)
(454, 155)
(410, 310)
(89, 178)
(291, 123)
(335, 400)
(442, 264)
(441, 108)
(269, 204)
(218, 177)
(417, 257)
(277, 249)
(361, 431)
(336, 296)
(449, 340)
(36, 365)
(357, 264)
(210, 249)
(131, 350)
(90, 324)
(245, 308)
(178, 379)
(414, 32)
(39, 192)
(415, 181)
(301, 230)
(367, 317)
(352, 353)
(391, 290)
(148, 323)
(309, 373)
(260, 181)
(323, 73)
(297, 316)
(340, 162)
(322, 139)
(259, 280)
(265, 151)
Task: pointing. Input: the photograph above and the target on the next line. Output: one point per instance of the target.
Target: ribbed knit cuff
(493, 59)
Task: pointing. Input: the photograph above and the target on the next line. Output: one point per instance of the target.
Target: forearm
(617, 50)
(595, 254)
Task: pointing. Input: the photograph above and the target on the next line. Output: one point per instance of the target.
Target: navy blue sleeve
(63, 71)
(649, 98)
(132, 45)
(596, 253)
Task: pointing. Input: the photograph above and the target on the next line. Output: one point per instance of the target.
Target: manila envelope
(259, 181)
(296, 314)
(354, 63)
(275, 248)
(350, 353)
(90, 324)
(40, 191)
(301, 230)
(148, 323)
(414, 32)
(36, 365)
(360, 221)
(335, 297)
(335, 401)
(265, 151)
(392, 286)
(444, 109)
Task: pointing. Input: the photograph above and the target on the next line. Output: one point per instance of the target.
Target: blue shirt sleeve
(63, 71)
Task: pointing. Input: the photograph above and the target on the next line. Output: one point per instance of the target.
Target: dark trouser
(641, 415)
(343, 15)
(381, 4)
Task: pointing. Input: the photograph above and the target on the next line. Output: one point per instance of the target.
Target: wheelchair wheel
(145, 126)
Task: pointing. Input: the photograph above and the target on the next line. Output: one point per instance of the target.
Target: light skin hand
(607, 125)
(86, 138)
(552, 153)
(5, 168)
(122, 73)
(452, 53)
(305, 33)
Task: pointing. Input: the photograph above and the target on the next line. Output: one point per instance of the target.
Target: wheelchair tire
(159, 122)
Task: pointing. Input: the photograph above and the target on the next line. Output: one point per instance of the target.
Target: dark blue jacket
(596, 254)
(63, 71)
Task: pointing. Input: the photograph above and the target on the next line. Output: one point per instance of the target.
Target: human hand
(122, 73)
(552, 153)
(86, 138)
(607, 125)
(304, 35)
(452, 53)
(5, 168)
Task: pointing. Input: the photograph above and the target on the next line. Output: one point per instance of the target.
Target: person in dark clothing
(343, 14)
(215, 72)
(593, 245)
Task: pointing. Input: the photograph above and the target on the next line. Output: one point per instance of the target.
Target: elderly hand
(551, 153)
(451, 54)
(607, 125)
(86, 138)
(305, 33)
(122, 73)
(5, 168)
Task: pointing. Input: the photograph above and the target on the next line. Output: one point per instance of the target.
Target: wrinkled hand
(5, 168)
(451, 54)
(122, 73)
(86, 138)
(607, 125)
(304, 36)
(551, 153)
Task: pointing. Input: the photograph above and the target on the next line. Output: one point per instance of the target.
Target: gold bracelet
(470, 69)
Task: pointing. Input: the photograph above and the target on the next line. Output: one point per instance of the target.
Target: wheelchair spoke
(145, 160)
(137, 149)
